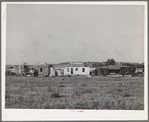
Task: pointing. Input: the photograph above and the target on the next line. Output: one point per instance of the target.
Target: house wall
(52, 72)
(92, 71)
(104, 72)
(115, 71)
(45, 70)
(78, 72)
(139, 70)
(98, 72)
(101, 72)
(123, 71)
(58, 72)
(18, 69)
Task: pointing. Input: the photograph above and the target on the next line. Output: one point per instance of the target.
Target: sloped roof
(58, 65)
(136, 64)
(66, 65)
(88, 65)
(125, 66)
(139, 68)
(103, 67)
(33, 66)
(41, 66)
(116, 66)
(113, 67)
(75, 65)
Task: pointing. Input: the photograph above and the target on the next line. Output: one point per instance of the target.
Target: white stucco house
(76, 69)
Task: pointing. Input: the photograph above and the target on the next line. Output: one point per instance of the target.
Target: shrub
(55, 95)
(80, 106)
(61, 85)
(49, 89)
(83, 85)
(126, 95)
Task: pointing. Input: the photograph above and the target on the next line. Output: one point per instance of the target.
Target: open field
(75, 93)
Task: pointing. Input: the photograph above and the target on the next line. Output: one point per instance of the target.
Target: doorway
(71, 70)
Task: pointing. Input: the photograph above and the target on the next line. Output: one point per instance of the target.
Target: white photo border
(47, 114)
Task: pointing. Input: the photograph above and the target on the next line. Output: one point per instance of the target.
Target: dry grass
(124, 93)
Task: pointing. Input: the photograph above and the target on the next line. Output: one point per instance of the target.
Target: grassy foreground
(75, 93)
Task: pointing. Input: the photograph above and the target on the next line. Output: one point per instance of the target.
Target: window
(126, 70)
(83, 69)
(40, 69)
(67, 69)
(76, 69)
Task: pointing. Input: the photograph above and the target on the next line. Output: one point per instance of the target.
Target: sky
(63, 33)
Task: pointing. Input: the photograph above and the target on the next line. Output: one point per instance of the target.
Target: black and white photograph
(74, 60)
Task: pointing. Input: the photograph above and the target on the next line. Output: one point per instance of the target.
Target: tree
(97, 64)
(110, 62)
(113, 62)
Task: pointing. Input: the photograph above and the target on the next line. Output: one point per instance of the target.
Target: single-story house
(43, 70)
(50, 70)
(57, 69)
(76, 69)
(139, 70)
(23, 69)
(137, 65)
(9, 70)
(126, 70)
(18, 69)
(114, 69)
(101, 71)
(33, 71)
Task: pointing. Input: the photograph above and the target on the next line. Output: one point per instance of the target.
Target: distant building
(43, 70)
(114, 69)
(137, 67)
(76, 69)
(101, 71)
(139, 70)
(57, 69)
(126, 70)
